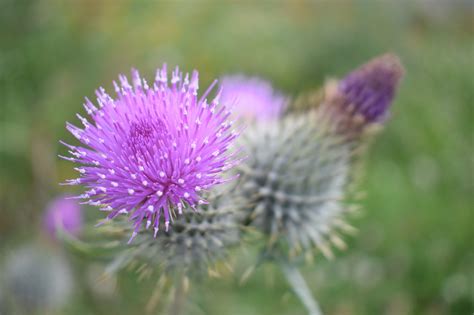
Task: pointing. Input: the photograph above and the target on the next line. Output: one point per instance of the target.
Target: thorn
(134, 234)
(102, 222)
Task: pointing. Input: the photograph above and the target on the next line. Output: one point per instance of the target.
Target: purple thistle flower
(62, 213)
(152, 150)
(370, 89)
(253, 98)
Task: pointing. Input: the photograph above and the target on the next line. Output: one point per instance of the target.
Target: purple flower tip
(252, 98)
(150, 151)
(62, 213)
(371, 88)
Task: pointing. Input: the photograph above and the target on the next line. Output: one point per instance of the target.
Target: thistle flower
(62, 213)
(363, 97)
(36, 280)
(369, 90)
(295, 180)
(293, 183)
(253, 98)
(151, 151)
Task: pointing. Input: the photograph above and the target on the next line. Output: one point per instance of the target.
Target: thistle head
(292, 185)
(363, 97)
(151, 151)
(253, 98)
(62, 213)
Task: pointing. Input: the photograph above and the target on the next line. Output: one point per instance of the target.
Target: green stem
(178, 299)
(301, 289)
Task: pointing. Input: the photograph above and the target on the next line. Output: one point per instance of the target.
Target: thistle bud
(293, 183)
(36, 281)
(363, 97)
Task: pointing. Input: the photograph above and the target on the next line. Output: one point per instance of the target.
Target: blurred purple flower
(369, 90)
(62, 213)
(151, 151)
(253, 98)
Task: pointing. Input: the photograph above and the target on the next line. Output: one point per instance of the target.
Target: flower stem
(178, 298)
(301, 289)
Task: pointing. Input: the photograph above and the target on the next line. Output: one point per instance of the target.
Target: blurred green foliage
(413, 254)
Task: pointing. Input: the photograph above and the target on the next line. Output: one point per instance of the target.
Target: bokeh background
(414, 250)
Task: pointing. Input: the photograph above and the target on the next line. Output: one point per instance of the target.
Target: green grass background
(413, 253)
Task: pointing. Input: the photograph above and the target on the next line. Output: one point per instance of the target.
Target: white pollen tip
(181, 181)
(131, 191)
(167, 226)
(186, 195)
(162, 174)
(159, 193)
(145, 183)
(156, 232)
(148, 223)
(151, 208)
(197, 188)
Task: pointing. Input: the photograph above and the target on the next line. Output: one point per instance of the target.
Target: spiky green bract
(192, 245)
(307, 101)
(293, 183)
